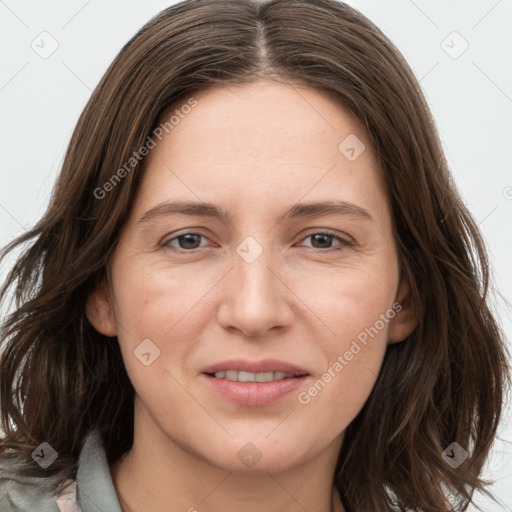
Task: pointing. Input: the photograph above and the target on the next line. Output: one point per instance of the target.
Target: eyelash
(344, 242)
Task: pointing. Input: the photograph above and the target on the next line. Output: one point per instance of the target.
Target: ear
(406, 318)
(99, 310)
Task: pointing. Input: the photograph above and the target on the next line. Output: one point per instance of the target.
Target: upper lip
(264, 365)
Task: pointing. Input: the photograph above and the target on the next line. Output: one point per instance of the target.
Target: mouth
(254, 383)
(243, 376)
(265, 370)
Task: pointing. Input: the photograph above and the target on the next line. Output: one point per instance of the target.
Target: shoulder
(23, 494)
(93, 488)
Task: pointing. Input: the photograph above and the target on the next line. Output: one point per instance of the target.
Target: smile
(241, 376)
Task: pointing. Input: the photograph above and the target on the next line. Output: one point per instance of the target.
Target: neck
(158, 474)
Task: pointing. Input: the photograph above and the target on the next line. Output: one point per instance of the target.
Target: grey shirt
(93, 491)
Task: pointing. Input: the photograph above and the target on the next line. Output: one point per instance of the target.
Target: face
(285, 269)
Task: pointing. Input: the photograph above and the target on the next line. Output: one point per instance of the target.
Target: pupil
(323, 237)
(188, 239)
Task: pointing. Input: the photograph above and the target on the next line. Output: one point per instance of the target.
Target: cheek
(351, 302)
(357, 306)
(169, 306)
(155, 300)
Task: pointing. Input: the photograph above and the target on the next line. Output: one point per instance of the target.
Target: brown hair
(60, 378)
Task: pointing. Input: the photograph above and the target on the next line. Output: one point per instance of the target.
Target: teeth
(235, 375)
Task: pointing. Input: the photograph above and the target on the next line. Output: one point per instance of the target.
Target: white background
(470, 96)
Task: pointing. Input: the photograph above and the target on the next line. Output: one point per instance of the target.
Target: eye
(324, 239)
(185, 241)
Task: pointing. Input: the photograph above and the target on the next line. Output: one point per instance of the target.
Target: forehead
(264, 116)
(262, 140)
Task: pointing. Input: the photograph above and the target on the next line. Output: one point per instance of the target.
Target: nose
(255, 298)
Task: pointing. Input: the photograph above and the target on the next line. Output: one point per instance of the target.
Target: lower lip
(254, 393)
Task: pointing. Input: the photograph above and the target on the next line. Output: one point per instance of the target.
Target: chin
(257, 456)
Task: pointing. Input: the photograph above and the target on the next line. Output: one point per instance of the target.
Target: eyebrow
(200, 209)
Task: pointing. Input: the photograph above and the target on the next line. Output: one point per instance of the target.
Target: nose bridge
(254, 300)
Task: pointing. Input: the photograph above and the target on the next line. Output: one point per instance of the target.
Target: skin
(254, 150)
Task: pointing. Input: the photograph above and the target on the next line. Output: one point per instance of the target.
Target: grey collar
(95, 487)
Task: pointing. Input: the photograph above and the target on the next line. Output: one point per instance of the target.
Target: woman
(255, 287)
